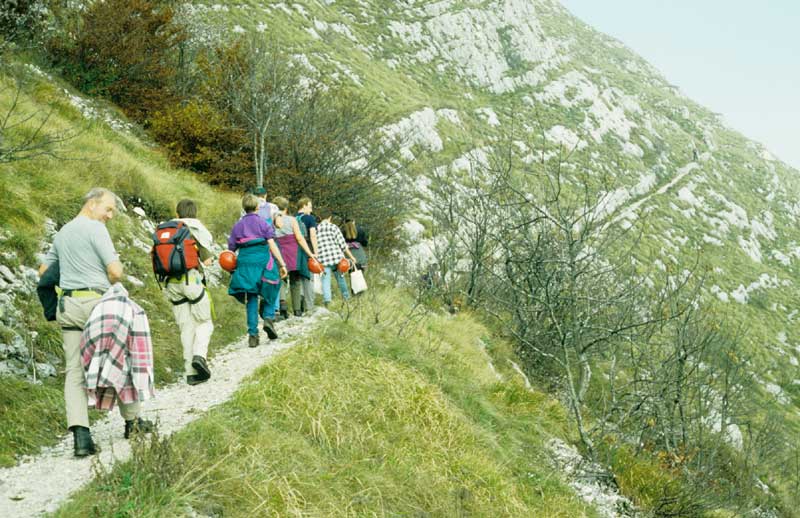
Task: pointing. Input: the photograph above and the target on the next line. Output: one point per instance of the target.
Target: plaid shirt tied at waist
(116, 351)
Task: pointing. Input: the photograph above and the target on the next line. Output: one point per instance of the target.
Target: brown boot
(252, 341)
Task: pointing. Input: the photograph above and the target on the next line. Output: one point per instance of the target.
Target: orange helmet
(315, 266)
(343, 266)
(227, 260)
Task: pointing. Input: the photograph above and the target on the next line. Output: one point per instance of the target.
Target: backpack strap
(188, 300)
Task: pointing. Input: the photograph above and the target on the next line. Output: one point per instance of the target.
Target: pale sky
(738, 58)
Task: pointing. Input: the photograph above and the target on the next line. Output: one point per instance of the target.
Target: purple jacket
(250, 226)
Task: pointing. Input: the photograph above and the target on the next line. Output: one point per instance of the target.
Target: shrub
(199, 137)
(125, 50)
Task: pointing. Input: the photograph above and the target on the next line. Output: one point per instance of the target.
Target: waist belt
(248, 244)
(82, 293)
(188, 301)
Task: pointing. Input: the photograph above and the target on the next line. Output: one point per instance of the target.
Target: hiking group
(106, 335)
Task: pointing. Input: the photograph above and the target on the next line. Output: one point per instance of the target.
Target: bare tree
(25, 134)
(258, 84)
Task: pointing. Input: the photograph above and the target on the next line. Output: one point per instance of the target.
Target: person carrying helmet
(332, 249)
(191, 302)
(305, 216)
(259, 267)
(290, 236)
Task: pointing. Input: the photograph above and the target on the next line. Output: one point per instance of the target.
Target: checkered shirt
(116, 351)
(330, 243)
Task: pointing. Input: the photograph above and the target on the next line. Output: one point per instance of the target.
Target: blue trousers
(326, 283)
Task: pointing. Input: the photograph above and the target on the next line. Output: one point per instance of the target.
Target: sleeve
(310, 221)
(268, 231)
(104, 246)
(340, 239)
(204, 240)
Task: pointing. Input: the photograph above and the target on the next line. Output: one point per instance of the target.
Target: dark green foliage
(125, 50)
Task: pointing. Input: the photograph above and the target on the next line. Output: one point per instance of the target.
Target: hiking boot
(138, 425)
(269, 328)
(284, 313)
(82, 440)
(200, 365)
(252, 341)
(298, 313)
(194, 379)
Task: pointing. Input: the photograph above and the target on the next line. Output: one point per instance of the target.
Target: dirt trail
(633, 207)
(41, 483)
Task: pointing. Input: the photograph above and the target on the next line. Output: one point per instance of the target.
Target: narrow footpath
(40, 484)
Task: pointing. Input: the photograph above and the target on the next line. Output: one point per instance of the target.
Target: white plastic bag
(357, 282)
(317, 284)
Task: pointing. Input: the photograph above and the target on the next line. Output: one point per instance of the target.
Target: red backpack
(174, 251)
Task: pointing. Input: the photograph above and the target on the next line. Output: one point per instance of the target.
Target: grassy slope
(358, 421)
(34, 190)
(736, 169)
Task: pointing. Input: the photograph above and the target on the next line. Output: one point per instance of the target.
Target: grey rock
(12, 368)
(7, 274)
(30, 275)
(45, 370)
(18, 348)
(135, 281)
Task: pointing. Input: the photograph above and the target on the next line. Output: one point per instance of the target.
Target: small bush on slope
(357, 422)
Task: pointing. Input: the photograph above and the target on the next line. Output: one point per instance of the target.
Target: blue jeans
(326, 283)
(252, 313)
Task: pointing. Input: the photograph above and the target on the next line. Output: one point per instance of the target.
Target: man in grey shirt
(89, 266)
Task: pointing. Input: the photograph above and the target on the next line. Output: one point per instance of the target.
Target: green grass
(357, 421)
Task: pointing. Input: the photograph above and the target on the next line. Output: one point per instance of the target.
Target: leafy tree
(127, 51)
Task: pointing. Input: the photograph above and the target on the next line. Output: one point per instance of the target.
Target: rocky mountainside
(463, 75)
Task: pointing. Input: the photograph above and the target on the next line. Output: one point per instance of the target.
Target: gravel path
(41, 483)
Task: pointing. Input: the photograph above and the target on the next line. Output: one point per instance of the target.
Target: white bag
(317, 284)
(357, 282)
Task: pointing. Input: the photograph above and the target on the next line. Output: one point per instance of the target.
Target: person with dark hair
(88, 267)
(256, 274)
(191, 303)
(295, 251)
(305, 216)
(332, 249)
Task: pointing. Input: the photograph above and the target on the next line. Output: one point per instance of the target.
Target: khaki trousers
(73, 313)
(194, 320)
(308, 293)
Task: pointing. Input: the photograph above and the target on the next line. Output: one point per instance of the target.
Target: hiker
(88, 266)
(256, 275)
(357, 241)
(332, 249)
(191, 302)
(265, 209)
(295, 251)
(304, 214)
